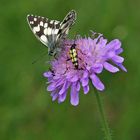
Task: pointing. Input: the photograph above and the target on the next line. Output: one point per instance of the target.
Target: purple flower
(94, 55)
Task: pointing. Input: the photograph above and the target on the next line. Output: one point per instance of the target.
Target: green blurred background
(26, 109)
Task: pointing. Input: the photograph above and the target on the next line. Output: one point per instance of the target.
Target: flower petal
(117, 59)
(62, 97)
(84, 81)
(54, 97)
(55, 84)
(111, 54)
(78, 86)
(119, 51)
(74, 96)
(70, 74)
(96, 82)
(86, 89)
(74, 79)
(59, 82)
(85, 74)
(110, 67)
(64, 88)
(52, 93)
(97, 68)
(114, 44)
(101, 42)
(51, 87)
(47, 74)
(122, 67)
(56, 77)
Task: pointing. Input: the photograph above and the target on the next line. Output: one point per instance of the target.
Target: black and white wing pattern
(66, 24)
(51, 32)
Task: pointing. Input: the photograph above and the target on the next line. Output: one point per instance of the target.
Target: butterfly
(51, 32)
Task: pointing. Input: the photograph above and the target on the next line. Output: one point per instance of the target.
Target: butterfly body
(51, 32)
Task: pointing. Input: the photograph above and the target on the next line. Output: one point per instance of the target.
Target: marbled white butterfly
(51, 32)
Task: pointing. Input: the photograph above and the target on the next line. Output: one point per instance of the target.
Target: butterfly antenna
(43, 54)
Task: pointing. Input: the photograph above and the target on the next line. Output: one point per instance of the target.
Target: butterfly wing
(51, 32)
(66, 24)
(43, 28)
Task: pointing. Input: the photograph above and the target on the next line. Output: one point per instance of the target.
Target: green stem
(103, 118)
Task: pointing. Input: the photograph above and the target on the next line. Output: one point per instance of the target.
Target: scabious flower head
(94, 55)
